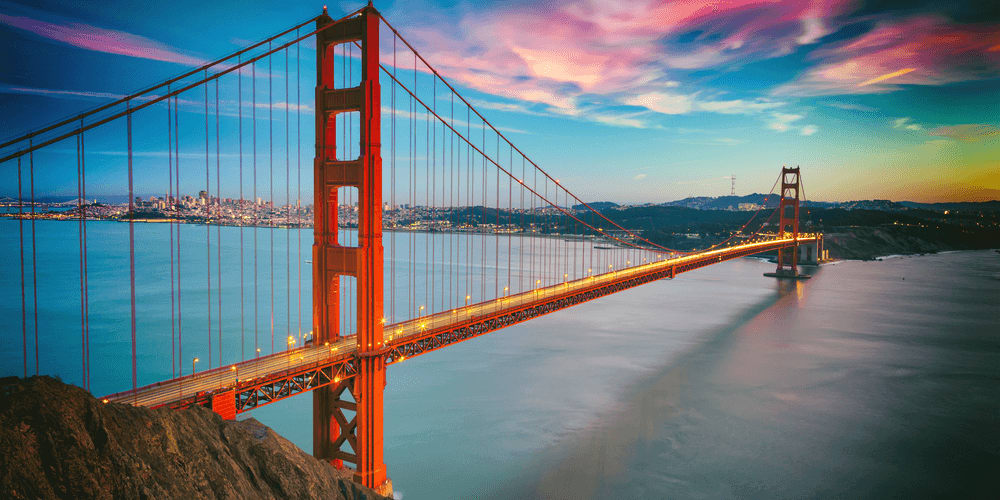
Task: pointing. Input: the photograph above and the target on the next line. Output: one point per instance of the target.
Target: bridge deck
(272, 377)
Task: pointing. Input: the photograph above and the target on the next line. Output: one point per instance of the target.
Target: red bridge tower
(788, 217)
(788, 227)
(332, 428)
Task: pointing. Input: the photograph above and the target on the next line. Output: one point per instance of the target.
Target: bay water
(872, 379)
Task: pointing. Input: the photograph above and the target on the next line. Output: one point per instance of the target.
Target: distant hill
(963, 206)
(881, 205)
(753, 201)
(597, 205)
(725, 202)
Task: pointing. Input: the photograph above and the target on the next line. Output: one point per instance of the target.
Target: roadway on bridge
(217, 379)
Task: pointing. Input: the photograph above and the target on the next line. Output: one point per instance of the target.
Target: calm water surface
(873, 379)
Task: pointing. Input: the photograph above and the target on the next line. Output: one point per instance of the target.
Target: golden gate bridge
(480, 237)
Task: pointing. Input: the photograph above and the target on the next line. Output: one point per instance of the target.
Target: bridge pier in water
(332, 428)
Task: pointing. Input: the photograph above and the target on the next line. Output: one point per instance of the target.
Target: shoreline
(839, 252)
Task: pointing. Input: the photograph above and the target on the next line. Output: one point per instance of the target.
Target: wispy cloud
(906, 123)
(14, 89)
(671, 103)
(639, 177)
(850, 106)
(663, 102)
(628, 120)
(782, 122)
(967, 132)
(99, 39)
(887, 76)
(711, 141)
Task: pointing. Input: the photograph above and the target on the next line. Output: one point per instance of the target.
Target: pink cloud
(918, 51)
(97, 39)
(556, 54)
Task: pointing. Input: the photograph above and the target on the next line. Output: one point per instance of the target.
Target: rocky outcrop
(57, 441)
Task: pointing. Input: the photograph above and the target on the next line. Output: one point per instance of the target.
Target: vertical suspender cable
(170, 229)
(482, 269)
(411, 181)
(177, 186)
(392, 193)
(83, 329)
(241, 207)
(469, 172)
(270, 172)
(566, 231)
(427, 203)
(218, 225)
(546, 267)
(520, 238)
(298, 167)
(451, 209)
(255, 203)
(131, 245)
(208, 231)
(433, 188)
(532, 223)
(496, 230)
(20, 239)
(34, 260)
(288, 213)
(452, 179)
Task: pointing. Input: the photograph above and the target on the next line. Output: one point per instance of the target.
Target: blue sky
(634, 102)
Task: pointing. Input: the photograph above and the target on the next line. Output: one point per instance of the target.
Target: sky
(634, 102)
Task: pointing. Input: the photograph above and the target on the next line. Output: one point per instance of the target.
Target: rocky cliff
(56, 441)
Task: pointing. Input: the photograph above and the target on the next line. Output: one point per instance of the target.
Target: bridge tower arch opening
(340, 422)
